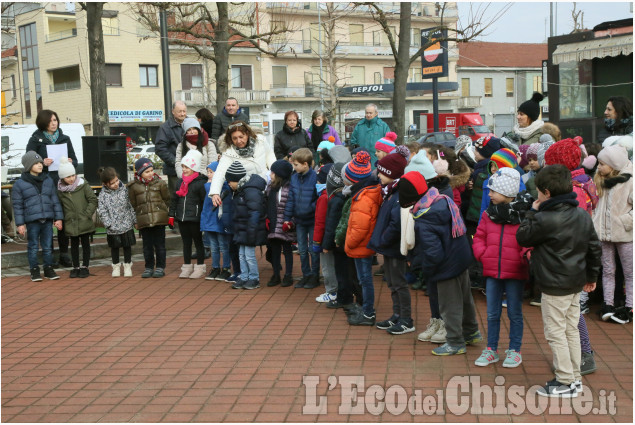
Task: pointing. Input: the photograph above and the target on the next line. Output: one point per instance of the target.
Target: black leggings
(278, 246)
(191, 231)
(85, 240)
(127, 254)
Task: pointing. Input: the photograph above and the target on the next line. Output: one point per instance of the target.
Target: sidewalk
(108, 349)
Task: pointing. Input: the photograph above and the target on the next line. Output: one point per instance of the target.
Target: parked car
(141, 151)
(441, 138)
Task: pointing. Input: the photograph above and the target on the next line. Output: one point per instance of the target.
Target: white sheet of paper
(56, 152)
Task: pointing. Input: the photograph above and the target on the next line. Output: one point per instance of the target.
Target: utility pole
(551, 19)
(165, 61)
(320, 55)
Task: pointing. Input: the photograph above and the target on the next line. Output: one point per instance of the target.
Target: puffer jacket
(223, 120)
(209, 156)
(613, 218)
(115, 210)
(190, 206)
(566, 250)
(436, 253)
(38, 143)
(321, 206)
(387, 233)
(250, 211)
(365, 203)
(276, 202)
(334, 207)
(479, 175)
(342, 224)
(302, 196)
(31, 203)
(496, 247)
(287, 138)
(150, 202)
(486, 199)
(210, 220)
(79, 207)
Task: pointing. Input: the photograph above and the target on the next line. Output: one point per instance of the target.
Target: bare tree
(578, 19)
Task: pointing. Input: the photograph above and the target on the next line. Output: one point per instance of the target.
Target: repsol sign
(368, 89)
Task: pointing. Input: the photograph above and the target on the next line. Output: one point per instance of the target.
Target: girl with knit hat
(385, 145)
(502, 158)
(528, 128)
(613, 221)
(194, 138)
(79, 204)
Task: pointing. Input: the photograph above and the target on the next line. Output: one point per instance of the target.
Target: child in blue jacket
(214, 224)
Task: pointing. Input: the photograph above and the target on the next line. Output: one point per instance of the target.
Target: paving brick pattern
(169, 350)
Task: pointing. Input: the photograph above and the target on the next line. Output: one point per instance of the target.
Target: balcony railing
(295, 90)
(61, 35)
(469, 102)
(68, 85)
(342, 48)
(199, 97)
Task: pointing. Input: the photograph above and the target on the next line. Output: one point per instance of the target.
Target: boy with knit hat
(442, 251)
(502, 158)
(385, 240)
(365, 201)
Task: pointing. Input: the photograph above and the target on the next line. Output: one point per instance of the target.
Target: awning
(597, 48)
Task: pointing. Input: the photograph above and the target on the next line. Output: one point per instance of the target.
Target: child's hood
(252, 181)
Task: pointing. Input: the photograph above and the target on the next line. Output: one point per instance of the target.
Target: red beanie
(412, 186)
(566, 152)
(392, 165)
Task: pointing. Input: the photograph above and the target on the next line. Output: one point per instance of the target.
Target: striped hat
(235, 172)
(504, 158)
(359, 168)
(386, 143)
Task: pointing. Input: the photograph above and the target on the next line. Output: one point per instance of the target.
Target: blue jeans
(514, 289)
(248, 263)
(364, 267)
(218, 244)
(40, 234)
(305, 246)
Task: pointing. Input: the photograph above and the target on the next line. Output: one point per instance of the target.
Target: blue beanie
(213, 166)
(422, 164)
(282, 168)
(141, 165)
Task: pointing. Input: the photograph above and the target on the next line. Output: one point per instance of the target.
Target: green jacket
(79, 207)
(366, 133)
(342, 226)
(474, 209)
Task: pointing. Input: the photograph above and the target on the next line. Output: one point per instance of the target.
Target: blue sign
(136, 116)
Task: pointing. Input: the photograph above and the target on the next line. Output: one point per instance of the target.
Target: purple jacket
(325, 136)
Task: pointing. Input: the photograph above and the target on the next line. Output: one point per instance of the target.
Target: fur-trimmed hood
(460, 179)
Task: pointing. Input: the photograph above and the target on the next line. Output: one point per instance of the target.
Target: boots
(186, 271)
(127, 269)
(116, 269)
(200, 270)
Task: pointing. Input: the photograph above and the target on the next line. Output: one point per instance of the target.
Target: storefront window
(575, 90)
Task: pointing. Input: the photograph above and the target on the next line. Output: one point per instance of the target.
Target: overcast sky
(528, 22)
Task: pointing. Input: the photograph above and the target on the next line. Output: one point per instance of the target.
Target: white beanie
(66, 168)
(505, 181)
(192, 160)
(615, 156)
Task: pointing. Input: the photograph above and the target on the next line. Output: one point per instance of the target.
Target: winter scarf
(52, 137)
(182, 192)
(63, 187)
(140, 179)
(512, 213)
(247, 151)
(609, 123)
(432, 196)
(567, 198)
(317, 133)
(36, 181)
(388, 189)
(526, 132)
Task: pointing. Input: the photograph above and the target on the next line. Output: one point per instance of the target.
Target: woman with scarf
(291, 136)
(528, 128)
(194, 138)
(618, 118)
(49, 133)
(320, 130)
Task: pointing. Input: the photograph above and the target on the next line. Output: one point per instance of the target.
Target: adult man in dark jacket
(169, 136)
(230, 113)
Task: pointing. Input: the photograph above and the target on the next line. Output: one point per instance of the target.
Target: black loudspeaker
(104, 151)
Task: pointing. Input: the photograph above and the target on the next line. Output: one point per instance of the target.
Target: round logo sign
(432, 53)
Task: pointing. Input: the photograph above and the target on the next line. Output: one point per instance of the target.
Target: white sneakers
(326, 297)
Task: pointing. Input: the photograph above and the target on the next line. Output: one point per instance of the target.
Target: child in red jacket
(504, 267)
(327, 260)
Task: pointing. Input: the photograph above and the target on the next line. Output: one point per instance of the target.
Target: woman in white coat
(196, 138)
(243, 145)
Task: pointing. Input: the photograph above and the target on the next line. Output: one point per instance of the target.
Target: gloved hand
(317, 248)
(267, 223)
(171, 222)
(288, 226)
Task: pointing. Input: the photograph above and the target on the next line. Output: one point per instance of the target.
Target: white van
(15, 139)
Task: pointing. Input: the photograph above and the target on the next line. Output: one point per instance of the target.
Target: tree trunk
(332, 82)
(97, 61)
(221, 56)
(402, 62)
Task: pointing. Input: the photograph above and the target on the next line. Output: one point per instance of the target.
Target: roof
(13, 51)
(510, 55)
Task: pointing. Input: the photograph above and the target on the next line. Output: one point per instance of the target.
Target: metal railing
(203, 97)
(469, 102)
(60, 35)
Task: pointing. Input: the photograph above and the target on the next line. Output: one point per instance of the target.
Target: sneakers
(158, 272)
(487, 357)
(448, 350)
(475, 338)
(402, 326)
(275, 280)
(213, 274)
(223, 275)
(49, 273)
(238, 284)
(439, 336)
(300, 283)
(623, 315)
(513, 359)
(74, 273)
(287, 280)
(555, 388)
(326, 297)
(252, 284)
(361, 319)
(352, 309)
(386, 324)
(584, 307)
(312, 282)
(433, 327)
(587, 364)
(232, 278)
(536, 301)
(337, 304)
(606, 312)
(83, 272)
(147, 273)
(35, 275)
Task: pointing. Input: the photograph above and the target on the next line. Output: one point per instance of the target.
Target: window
(113, 74)
(191, 76)
(377, 38)
(415, 37)
(64, 79)
(110, 22)
(488, 87)
(575, 89)
(14, 93)
(377, 78)
(357, 75)
(509, 87)
(279, 74)
(537, 81)
(414, 75)
(241, 77)
(385, 41)
(30, 62)
(148, 76)
(465, 87)
(389, 75)
(356, 34)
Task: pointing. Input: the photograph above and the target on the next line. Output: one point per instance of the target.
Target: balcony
(469, 102)
(201, 97)
(343, 49)
(295, 91)
(60, 35)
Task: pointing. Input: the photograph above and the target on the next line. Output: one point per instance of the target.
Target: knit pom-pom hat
(412, 186)
(359, 168)
(504, 158)
(531, 108)
(532, 152)
(392, 165)
(386, 143)
(566, 152)
(487, 145)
